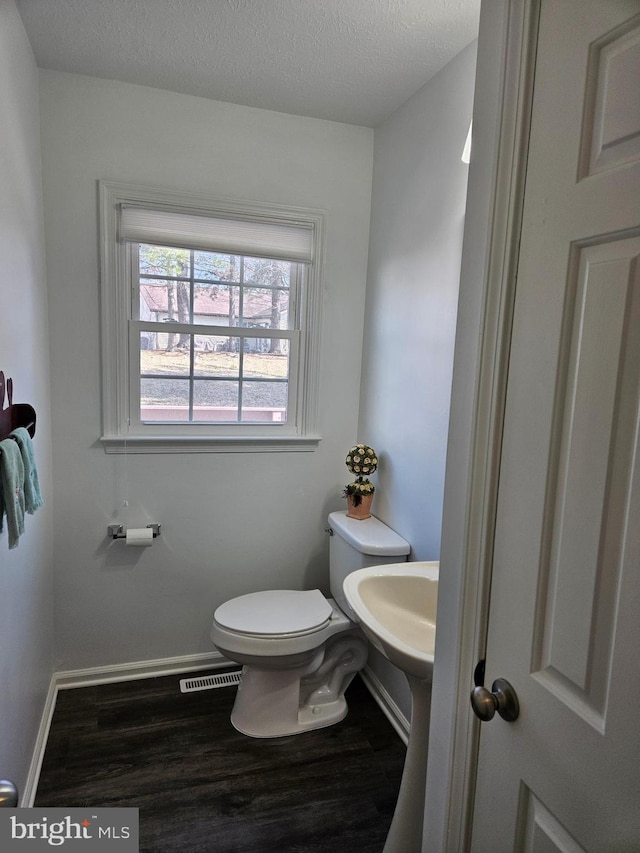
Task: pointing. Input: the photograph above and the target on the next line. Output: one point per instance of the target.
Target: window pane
(164, 400)
(215, 400)
(217, 356)
(165, 301)
(216, 305)
(164, 261)
(264, 401)
(164, 354)
(267, 309)
(267, 273)
(264, 364)
(212, 266)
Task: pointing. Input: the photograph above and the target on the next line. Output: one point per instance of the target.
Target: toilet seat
(275, 613)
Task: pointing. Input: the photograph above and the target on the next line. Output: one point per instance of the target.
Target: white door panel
(564, 625)
(541, 832)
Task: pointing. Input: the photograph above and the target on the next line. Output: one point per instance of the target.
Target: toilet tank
(355, 544)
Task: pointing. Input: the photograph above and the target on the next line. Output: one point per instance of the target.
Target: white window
(210, 323)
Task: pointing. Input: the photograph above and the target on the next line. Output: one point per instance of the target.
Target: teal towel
(32, 494)
(12, 484)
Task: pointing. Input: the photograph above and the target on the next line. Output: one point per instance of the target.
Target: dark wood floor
(202, 787)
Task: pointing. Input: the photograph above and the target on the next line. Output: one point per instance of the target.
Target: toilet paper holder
(117, 531)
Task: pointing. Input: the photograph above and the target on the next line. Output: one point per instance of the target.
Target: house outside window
(210, 323)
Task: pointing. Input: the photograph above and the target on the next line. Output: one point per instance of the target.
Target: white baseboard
(31, 784)
(389, 708)
(139, 669)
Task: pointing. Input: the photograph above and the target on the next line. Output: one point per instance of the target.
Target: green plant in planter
(361, 461)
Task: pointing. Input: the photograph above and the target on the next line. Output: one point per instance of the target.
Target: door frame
(507, 44)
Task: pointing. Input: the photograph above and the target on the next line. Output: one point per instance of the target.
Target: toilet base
(281, 702)
(267, 705)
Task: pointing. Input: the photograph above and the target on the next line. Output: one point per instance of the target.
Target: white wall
(418, 207)
(26, 588)
(231, 523)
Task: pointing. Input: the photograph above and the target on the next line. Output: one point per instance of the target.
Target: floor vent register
(208, 682)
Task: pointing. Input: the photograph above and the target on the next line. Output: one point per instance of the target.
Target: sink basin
(396, 607)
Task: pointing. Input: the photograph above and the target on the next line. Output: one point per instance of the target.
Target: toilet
(300, 650)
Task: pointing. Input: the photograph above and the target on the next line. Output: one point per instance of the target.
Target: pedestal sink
(396, 608)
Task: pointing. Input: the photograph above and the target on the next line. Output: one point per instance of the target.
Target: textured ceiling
(354, 61)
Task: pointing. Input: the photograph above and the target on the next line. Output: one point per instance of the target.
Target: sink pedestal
(405, 834)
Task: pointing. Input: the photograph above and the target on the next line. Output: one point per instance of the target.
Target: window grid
(190, 330)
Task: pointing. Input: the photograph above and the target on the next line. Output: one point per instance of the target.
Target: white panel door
(564, 622)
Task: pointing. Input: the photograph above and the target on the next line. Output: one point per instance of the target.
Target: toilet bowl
(299, 649)
(299, 653)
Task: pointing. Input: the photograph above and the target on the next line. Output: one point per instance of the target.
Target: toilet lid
(275, 612)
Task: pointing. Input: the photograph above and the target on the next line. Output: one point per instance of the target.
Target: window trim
(115, 316)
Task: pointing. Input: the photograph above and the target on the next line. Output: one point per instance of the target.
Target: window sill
(207, 444)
